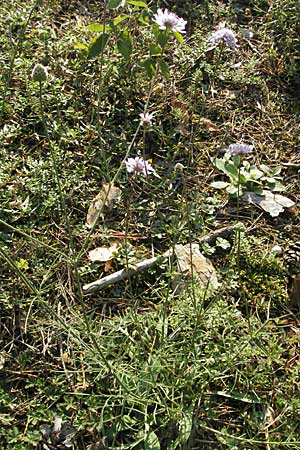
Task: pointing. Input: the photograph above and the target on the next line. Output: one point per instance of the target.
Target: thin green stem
(85, 244)
(238, 254)
(15, 51)
(19, 272)
(55, 169)
(91, 334)
(33, 239)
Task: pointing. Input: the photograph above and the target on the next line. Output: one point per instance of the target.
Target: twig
(146, 264)
(123, 274)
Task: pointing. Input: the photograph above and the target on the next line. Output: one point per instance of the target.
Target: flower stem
(15, 51)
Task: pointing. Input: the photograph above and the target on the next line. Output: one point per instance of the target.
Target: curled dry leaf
(103, 202)
(104, 254)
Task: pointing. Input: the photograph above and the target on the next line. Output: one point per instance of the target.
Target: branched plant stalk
(86, 242)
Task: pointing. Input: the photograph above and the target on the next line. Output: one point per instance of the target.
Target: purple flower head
(166, 19)
(225, 35)
(239, 149)
(146, 119)
(138, 166)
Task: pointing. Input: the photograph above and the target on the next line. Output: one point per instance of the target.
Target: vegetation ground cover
(142, 364)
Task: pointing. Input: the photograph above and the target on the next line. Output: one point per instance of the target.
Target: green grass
(138, 365)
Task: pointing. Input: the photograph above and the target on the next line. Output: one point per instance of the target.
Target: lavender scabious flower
(239, 149)
(139, 166)
(146, 119)
(225, 35)
(166, 19)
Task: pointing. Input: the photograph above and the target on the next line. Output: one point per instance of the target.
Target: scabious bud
(39, 73)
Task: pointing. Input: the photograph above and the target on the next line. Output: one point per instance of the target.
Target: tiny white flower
(139, 166)
(146, 119)
(166, 19)
(225, 35)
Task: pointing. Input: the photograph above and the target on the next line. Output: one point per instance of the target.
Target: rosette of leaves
(244, 176)
(258, 185)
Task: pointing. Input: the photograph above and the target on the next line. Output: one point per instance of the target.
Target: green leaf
(233, 190)
(149, 66)
(220, 164)
(113, 4)
(80, 46)
(179, 37)
(124, 45)
(231, 170)
(97, 45)
(163, 37)
(245, 398)
(151, 441)
(185, 426)
(223, 243)
(22, 264)
(155, 50)
(98, 27)
(120, 19)
(219, 184)
(137, 3)
(165, 69)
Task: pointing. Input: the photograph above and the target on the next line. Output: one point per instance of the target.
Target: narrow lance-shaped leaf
(164, 68)
(219, 184)
(137, 3)
(98, 27)
(179, 37)
(124, 45)
(97, 45)
(120, 19)
(113, 4)
(149, 66)
(155, 50)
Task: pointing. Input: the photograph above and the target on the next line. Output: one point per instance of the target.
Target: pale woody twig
(146, 264)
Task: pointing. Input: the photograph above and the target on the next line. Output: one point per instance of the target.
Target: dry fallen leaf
(208, 124)
(105, 200)
(104, 254)
(191, 262)
(270, 202)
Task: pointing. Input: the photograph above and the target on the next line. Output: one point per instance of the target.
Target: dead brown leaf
(104, 201)
(208, 124)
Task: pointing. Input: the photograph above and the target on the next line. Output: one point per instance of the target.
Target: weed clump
(263, 281)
